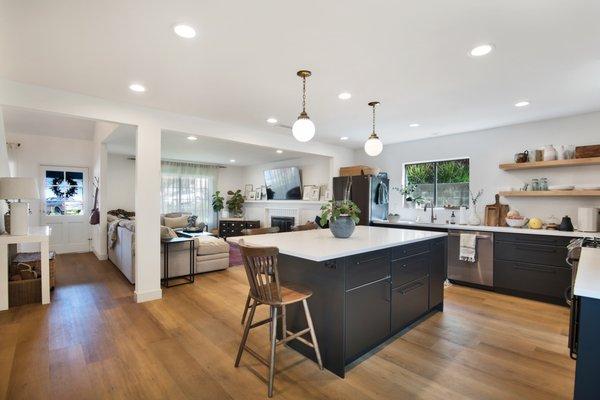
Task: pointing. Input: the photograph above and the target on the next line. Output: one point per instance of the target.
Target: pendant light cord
(373, 118)
(304, 94)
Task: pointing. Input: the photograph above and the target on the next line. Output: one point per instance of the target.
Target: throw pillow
(167, 233)
(177, 222)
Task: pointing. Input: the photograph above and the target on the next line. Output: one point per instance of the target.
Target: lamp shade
(18, 189)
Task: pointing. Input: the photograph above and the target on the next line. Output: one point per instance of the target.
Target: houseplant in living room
(218, 203)
(342, 216)
(235, 203)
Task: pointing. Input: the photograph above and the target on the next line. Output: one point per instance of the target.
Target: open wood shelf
(551, 164)
(552, 193)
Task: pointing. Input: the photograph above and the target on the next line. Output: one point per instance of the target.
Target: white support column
(147, 213)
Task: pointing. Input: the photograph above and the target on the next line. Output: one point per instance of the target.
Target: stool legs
(246, 307)
(245, 335)
(273, 344)
(313, 337)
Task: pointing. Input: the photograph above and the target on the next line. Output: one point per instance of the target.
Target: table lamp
(19, 189)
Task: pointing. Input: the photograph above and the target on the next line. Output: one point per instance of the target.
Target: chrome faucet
(433, 217)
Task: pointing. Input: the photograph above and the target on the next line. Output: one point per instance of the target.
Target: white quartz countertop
(320, 245)
(587, 281)
(483, 228)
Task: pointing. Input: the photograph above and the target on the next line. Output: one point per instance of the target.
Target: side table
(166, 244)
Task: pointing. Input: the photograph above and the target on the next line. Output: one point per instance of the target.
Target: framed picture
(258, 194)
(306, 191)
(324, 195)
(251, 196)
(314, 193)
(247, 190)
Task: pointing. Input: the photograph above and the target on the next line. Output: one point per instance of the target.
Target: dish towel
(382, 194)
(468, 244)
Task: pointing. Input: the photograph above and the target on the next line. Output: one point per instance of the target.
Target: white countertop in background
(320, 245)
(483, 228)
(587, 281)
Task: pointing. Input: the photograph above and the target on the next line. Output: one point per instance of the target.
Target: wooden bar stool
(260, 264)
(249, 232)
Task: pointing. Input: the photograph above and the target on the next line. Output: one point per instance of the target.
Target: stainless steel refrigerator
(369, 192)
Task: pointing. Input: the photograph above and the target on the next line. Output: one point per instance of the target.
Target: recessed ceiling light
(184, 31)
(415, 125)
(344, 138)
(136, 87)
(272, 120)
(232, 160)
(279, 151)
(192, 138)
(344, 96)
(481, 50)
(523, 103)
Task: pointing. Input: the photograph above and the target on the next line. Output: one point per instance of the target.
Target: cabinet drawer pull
(536, 249)
(369, 260)
(411, 287)
(535, 269)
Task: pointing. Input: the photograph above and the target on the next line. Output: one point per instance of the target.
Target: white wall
(315, 170)
(230, 178)
(37, 150)
(487, 149)
(120, 182)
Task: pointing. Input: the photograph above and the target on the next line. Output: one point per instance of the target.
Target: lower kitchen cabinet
(536, 279)
(367, 317)
(409, 302)
(438, 272)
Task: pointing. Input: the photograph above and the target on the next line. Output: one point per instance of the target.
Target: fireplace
(284, 223)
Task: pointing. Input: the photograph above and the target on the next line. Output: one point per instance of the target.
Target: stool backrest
(306, 227)
(260, 264)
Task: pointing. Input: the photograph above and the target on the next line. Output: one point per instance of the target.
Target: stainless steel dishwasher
(480, 272)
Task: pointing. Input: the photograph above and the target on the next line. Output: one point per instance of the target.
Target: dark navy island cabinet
(361, 301)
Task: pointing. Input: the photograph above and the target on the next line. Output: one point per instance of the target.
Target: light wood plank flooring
(93, 342)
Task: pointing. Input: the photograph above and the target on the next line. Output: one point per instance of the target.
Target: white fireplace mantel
(301, 210)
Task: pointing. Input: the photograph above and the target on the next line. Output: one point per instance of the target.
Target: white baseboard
(147, 296)
(99, 256)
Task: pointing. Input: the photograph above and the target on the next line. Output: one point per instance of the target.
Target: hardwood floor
(93, 342)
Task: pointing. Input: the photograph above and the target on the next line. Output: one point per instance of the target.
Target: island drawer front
(532, 253)
(408, 269)
(409, 302)
(533, 239)
(367, 268)
(367, 317)
(410, 250)
(537, 279)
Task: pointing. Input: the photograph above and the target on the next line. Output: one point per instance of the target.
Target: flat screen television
(283, 184)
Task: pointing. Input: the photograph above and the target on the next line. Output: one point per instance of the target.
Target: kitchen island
(366, 288)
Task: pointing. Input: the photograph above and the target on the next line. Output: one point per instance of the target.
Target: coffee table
(193, 234)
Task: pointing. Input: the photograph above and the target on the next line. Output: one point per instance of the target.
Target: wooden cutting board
(495, 214)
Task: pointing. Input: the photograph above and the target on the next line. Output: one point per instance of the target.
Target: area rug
(235, 257)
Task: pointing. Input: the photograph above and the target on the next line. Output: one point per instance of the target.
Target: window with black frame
(442, 183)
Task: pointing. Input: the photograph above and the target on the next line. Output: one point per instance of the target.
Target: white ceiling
(410, 55)
(176, 146)
(17, 120)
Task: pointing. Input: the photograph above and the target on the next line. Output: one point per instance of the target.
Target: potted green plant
(342, 216)
(408, 192)
(235, 202)
(218, 203)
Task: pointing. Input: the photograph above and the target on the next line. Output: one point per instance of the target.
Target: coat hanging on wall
(95, 215)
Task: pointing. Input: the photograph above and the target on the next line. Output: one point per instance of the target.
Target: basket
(24, 292)
(33, 259)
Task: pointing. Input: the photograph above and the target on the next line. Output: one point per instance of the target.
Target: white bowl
(516, 223)
(394, 218)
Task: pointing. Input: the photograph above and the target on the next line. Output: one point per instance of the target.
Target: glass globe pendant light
(303, 129)
(373, 145)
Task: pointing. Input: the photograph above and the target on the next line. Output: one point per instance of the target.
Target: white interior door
(64, 207)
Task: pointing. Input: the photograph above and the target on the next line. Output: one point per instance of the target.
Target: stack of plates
(561, 187)
(589, 186)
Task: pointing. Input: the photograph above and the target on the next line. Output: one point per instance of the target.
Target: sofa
(211, 253)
